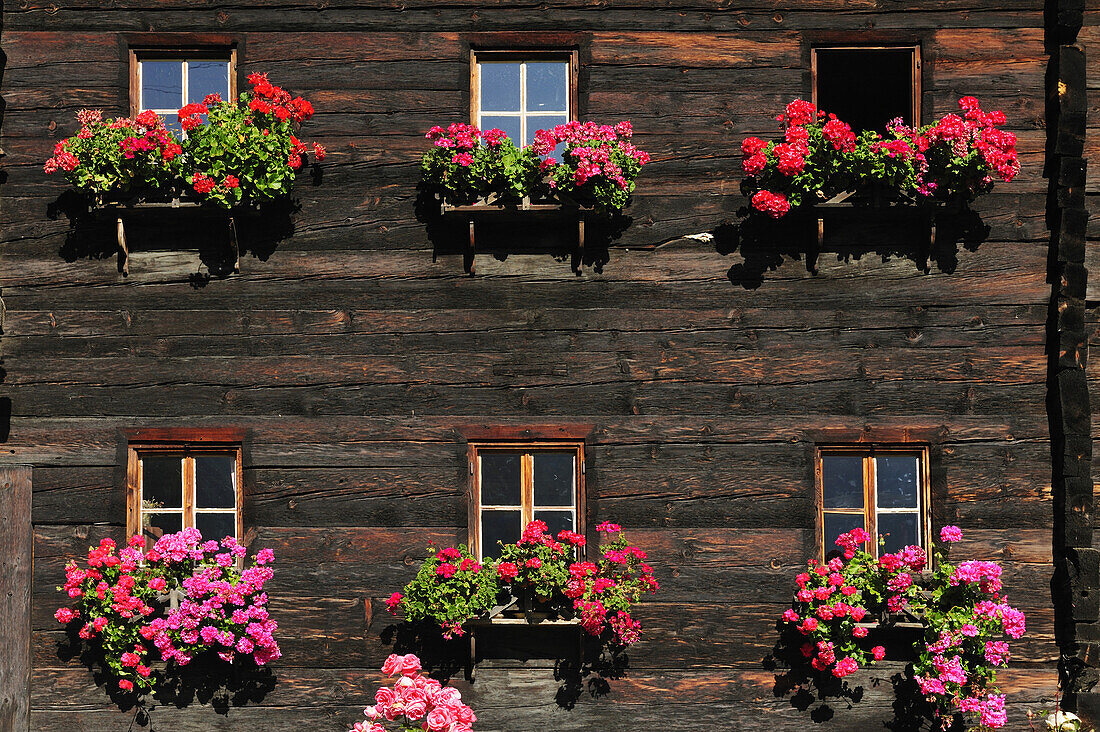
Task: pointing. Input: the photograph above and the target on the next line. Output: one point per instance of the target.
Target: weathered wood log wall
(353, 352)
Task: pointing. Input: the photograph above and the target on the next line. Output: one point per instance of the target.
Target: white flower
(1063, 722)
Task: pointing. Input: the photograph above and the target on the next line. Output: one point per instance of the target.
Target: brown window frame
(915, 70)
(513, 54)
(139, 53)
(870, 502)
(528, 448)
(187, 449)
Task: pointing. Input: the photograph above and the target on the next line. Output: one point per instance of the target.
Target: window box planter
(525, 212)
(880, 206)
(175, 209)
(525, 611)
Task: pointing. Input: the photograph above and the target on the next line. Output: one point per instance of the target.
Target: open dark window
(868, 87)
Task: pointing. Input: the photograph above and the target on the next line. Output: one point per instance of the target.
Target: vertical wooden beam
(16, 553)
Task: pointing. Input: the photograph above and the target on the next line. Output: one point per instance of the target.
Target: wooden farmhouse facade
(349, 384)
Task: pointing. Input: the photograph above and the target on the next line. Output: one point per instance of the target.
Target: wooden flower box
(518, 612)
(527, 212)
(167, 211)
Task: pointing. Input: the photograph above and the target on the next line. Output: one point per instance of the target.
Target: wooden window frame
(514, 54)
(915, 69)
(186, 449)
(528, 448)
(868, 452)
(137, 54)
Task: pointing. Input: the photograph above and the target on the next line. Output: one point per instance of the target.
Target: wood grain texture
(354, 357)
(16, 560)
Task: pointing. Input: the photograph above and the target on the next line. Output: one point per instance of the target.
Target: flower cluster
(598, 165)
(118, 155)
(247, 151)
(451, 588)
(956, 158)
(964, 616)
(122, 604)
(415, 702)
(967, 617)
(466, 163)
(234, 153)
(835, 598)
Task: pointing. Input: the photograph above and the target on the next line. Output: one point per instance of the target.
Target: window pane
(842, 481)
(162, 481)
(510, 125)
(840, 523)
(161, 84)
(535, 124)
(547, 86)
(207, 77)
(896, 481)
(498, 526)
(554, 478)
(214, 481)
(900, 530)
(500, 479)
(216, 525)
(172, 122)
(500, 87)
(556, 520)
(159, 524)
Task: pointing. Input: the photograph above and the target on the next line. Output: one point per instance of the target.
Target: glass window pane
(500, 479)
(556, 520)
(216, 525)
(534, 124)
(554, 473)
(162, 481)
(500, 87)
(840, 523)
(900, 530)
(159, 524)
(510, 125)
(547, 87)
(161, 84)
(215, 481)
(896, 481)
(498, 526)
(172, 122)
(842, 481)
(207, 77)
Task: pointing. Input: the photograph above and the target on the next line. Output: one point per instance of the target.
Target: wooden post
(123, 252)
(471, 249)
(16, 551)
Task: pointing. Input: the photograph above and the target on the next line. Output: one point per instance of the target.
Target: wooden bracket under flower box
(524, 210)
(525, 616)
(121, 211)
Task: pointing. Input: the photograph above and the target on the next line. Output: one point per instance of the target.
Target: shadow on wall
(848, 234)
(582, 666)
(93, 232)
(819, 694)
(205, 680)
